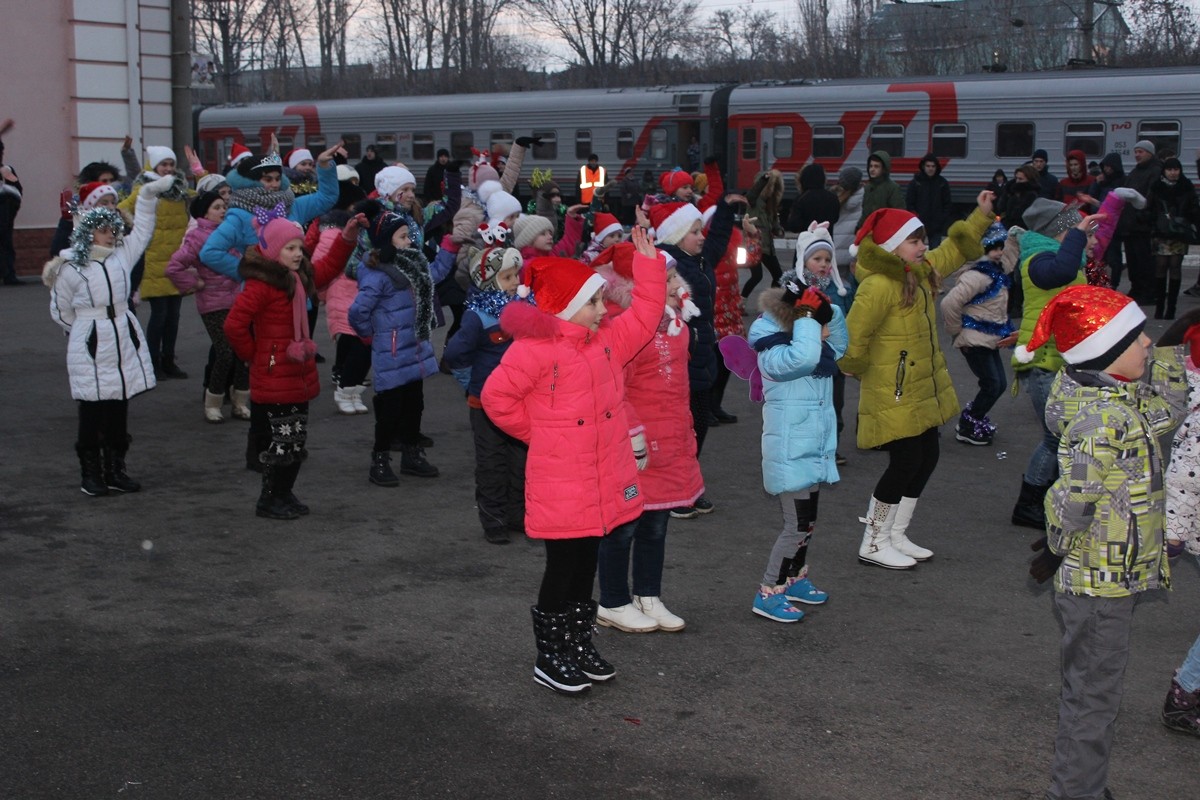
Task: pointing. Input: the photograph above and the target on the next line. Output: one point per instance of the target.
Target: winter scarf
(253, 197)
(411, 271)
(302, 348)
(178, 190)
(493, 301)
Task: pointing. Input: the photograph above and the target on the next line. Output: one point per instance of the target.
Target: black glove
(1045, 563)
(529, 141)
(454, 166)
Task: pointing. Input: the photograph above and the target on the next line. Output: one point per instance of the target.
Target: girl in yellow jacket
(906, 393)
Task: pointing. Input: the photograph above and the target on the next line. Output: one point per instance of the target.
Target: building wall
(78, 76)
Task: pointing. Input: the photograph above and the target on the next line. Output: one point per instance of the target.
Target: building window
(1163, 132)
(1085, 136)
(461, 143)
(782, 141)
(624, 143)
(1015, 140)
(353, 144)
(888, 138)
(658, 144)
(385, 146)
(829, 141)
(950, 141)
(583, 144)
(750, 144)
(422, 146)
(548, 149)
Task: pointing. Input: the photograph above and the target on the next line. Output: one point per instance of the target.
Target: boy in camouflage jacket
(1105, 514)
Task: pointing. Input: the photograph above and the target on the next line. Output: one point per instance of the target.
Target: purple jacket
(218, 292)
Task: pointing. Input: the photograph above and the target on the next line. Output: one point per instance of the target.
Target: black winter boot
(554, 668)
(270, 504)
(288, 477)
(381, 469)
(91, 475)
(1181, 710)
(1172, 298)
(580, 649)
(114, 469)
(412, 462)
(1160, 295)
(1029, 511)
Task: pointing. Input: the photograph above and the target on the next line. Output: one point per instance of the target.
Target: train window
(624, 143)
(687, 103)
(385, 146)
(828, 141)
(658, 144)
(950, 141)
(1085, 136)
(461, 143)
(502, 138)
(315, 144)
(422, 144)
(783, 141)
(750, 144)
(285, 144)
(583, 144)
(1015, 139)
(548, 148)
(888, 138)
(353, 144)
(1163, 132)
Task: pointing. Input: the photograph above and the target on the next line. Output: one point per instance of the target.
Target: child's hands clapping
(643, 242)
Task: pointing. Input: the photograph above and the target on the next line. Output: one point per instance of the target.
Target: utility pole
(181, 74)
(1087, 25)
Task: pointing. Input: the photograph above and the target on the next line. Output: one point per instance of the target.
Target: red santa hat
(90, 194)
(237, 153)
(1091, 325)
(672, 182)
(298, 155)
(672, 221)
(562, 286)
(604, 225)
(888, 228)
(620, 256)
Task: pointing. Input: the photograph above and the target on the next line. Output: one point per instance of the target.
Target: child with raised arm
(560, 388)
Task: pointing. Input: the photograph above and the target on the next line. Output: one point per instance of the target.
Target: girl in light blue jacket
(798, 340)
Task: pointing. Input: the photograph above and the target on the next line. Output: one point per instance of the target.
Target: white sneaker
(653, 608)
(344, 398)
(626, 618)
(356, 393)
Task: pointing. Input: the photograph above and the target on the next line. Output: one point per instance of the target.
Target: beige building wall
(78, 76)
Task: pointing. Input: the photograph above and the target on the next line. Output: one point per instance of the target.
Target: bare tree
(1165, 33)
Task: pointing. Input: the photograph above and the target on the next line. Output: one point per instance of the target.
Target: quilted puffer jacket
(185, 270)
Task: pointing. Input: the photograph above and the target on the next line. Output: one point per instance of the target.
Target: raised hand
(643, 242)
(326, 157)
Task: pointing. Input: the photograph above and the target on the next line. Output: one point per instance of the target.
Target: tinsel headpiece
(89, 222)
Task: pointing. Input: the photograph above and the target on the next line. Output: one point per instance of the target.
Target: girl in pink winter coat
(215, 294)
(657, 403)
(560, 388)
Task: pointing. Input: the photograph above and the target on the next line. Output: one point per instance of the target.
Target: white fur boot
(344, 397)
(904, 512)
(356, 397)
(240, 398)
(876, 545)
(212, 406)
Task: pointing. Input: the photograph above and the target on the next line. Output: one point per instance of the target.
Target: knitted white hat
(498, 203)
(389, 179)
(156, 154)
(298, 155)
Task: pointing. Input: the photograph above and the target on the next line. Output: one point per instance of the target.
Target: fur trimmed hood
(54, 266)
(772, 304)
(256, 266)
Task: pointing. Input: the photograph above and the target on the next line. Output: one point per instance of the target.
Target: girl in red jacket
(279, 347)
(560, 388)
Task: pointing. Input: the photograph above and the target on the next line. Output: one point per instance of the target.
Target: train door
(749, 154)
(688, 130)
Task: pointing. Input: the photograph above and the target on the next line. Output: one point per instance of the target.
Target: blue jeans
(988, 366)
(647, 538)
(1043, 464)
(1189, 673)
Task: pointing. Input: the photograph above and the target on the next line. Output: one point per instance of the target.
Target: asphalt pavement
(170, 644)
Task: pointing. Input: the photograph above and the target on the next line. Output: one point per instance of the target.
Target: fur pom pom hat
(814, 239)
(1091, 325)
(90, 194)
(562, 285)
(888, 228)
(156, 154)
(487, 264)
(672, 221)
(389, 179)
(498, 203)
(528, 227)
(672, 182)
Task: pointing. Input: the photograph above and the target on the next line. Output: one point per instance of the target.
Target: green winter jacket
(881, 192)
(1106, 513)
(894, 351)
(1047, 356)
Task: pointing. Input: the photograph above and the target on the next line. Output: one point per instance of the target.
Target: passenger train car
(974, 124)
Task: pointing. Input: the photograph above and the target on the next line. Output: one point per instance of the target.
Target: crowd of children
(592, 368)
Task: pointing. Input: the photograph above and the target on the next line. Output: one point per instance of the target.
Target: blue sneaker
(801, 590)
(775, 607)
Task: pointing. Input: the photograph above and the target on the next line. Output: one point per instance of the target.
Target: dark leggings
(772, 265)
(701, 402)
(718, 390)
(911, 462)
(163, 328)
(570, 573)
(1169, 267)
(398, 414)
(223, 362)
(353, 361)
(103, 423)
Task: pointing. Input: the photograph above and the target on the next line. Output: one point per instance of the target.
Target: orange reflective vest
(589, 180)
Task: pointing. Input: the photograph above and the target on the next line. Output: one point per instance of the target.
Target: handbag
(1175, 228)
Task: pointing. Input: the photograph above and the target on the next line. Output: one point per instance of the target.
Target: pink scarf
(302, 348)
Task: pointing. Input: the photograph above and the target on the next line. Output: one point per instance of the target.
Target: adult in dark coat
(434, 176)
(10, 204)
(1172, 197)
(1023, 189)
(998, 186)
(928, 196)
(1047, 180)
(1137, 224)
(815, 203)
(369, 167)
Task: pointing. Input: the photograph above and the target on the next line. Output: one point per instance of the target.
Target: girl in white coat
(107, 358)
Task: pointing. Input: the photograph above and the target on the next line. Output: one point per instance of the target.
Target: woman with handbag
(1176, 220)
